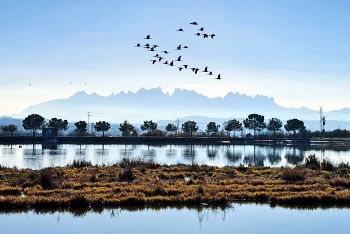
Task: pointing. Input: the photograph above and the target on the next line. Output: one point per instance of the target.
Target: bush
(46, 179)
(80, 164)
(312, 162)
(93, 178)
(326, 165)
(296, 174)
(127, 174)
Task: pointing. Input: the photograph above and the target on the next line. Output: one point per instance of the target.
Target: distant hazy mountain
(155, 105)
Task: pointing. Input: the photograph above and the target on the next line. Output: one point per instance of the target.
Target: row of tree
(253, 122)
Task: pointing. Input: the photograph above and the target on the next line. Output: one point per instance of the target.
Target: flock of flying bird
(158, 58)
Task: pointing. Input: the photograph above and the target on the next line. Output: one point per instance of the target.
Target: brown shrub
(296, 174)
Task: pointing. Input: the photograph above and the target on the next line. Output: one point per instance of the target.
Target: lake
(39, 156)
(239, 218)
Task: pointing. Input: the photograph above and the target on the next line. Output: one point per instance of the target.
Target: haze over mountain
(156, 105)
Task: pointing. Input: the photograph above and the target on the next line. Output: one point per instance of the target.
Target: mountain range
(156, 105)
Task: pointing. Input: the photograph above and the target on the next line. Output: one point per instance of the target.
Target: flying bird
(218, 78)
(197, 34)
(157, 56)
(30, 85)
(178, 48)
(147, 37)
(172, 63)
(185, 65)
(153, 61)
(201, 29)
(166, 52)
(194, 23)
(212, 36)
(166, 62)
(152, 49)
(180, 68)
(185, 47)
(196, 70)
(205, 69)
(179, 59)
(180, 30)
(205, 35)
(155, 46)
(210, 73)
(138, 45)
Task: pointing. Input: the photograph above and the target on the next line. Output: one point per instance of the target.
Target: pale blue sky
(295, 51)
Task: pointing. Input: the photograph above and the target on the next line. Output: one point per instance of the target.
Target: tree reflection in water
(274, 155)
(9, 150)
(212, 151)
(256, 158)
(189, 153)
(233, 155)
(295, 156)
(128, 151)
(171, 152)
(33, 157)
(149, 153)
(81, 153)
(100, 155)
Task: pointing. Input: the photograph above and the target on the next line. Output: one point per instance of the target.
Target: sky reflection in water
(239, 218)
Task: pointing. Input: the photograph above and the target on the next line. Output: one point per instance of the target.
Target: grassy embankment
(138, 182)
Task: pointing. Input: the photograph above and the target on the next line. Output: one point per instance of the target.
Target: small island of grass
(144, 182)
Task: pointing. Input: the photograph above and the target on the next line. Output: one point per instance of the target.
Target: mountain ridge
(155, 104)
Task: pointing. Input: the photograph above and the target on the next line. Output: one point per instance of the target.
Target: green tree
(102, 126)
(62, 125)
(212, 127)
(80, 127)
(126, 128)
(189, 127)
(255, 122)
(294, 125)
(171, 128)
(149, 125)
(11, 128)
(274, 125)
(33, 122)
(232, 125)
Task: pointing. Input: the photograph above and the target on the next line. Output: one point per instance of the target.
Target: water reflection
(127, 151)
(37, 156)
(189, 153)
(212, 152)
(170, 152)
(233, 155)
(294, 156)
(255, 158)
(274, 155)
(149, 153)
(9, 151)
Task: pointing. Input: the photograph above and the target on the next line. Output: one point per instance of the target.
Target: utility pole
(177, 125)
(89, 112)
(322, 122)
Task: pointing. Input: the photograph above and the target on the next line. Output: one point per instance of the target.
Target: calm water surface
(38, 156)
(240, 218)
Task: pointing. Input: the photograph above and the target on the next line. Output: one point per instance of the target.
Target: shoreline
(144, 183)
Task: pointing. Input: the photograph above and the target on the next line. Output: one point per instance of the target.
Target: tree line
(254, 122)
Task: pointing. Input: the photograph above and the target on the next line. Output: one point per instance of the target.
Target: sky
(297, 52)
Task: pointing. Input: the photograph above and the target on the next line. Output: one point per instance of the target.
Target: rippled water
(240, 218)
(39, 156)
